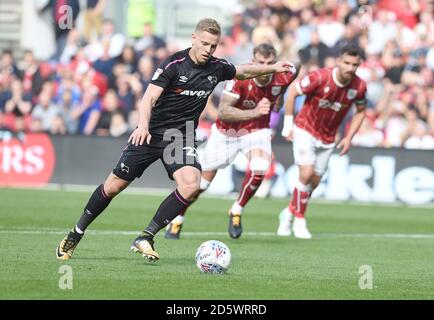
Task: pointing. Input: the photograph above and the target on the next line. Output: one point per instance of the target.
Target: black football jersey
(187, 87)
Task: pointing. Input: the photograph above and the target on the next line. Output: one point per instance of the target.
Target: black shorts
(174, 155)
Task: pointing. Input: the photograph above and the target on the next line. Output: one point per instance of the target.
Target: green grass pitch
(396, 242)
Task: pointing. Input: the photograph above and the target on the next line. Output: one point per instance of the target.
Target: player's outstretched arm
(355, 125)
(248, 71)
(141, 133)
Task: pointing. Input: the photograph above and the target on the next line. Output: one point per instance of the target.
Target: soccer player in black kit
(171, 106)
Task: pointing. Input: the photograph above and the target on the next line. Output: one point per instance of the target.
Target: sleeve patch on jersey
(305, 82)
(230, 85)
(157, 73)
(234, 95)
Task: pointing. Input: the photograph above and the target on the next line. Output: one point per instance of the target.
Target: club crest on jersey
(212, 79)
(157, 74)
(352, 93)
(230, 85)
(275, 90)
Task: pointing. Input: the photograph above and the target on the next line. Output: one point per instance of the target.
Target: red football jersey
(327, 102)
(249, 93)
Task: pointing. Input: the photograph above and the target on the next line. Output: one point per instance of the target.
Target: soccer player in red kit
(242, 126)
(330, 94)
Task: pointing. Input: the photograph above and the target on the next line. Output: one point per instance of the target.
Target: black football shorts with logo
(174, 155)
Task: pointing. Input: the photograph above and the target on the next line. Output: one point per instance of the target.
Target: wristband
(288, 122)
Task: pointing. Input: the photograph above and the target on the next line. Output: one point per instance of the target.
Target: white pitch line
(219, 234)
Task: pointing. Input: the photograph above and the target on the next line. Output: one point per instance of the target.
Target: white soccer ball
(213, 257)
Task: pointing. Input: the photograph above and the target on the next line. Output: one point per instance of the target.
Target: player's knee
(259, 166)
(189, 187)
(112, 187)
(306, 176)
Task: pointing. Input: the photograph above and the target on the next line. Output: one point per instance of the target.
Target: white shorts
(220, 149)
(308, 150)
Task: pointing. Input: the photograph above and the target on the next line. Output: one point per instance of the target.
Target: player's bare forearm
(249, 71)
(356, 122)
(230, 113)
(147, 103)
(141, 134)
(289, 113)
(290, 100)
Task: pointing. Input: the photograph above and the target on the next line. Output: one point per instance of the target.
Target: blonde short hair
(209, 25)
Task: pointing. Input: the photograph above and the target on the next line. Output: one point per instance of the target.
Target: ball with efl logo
(213, 256)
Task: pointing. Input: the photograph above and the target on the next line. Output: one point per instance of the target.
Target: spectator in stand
(238, 24)
(243, 49)
(395, 127)
(146, 69)
(419, 137)
(109, 37)
(67, 104)
(382, 30)
(32, 78)
(110, 106)
(118, 125)
(149, 40)
(129, 90)
(8, 68)
(315, 53)
(303, 33)
(369, 135)
(264, 33)
(93, 19)
(17, 108)
(129, 59)
(88, 111)
(329, 30)
(46, 112)
(349, 37)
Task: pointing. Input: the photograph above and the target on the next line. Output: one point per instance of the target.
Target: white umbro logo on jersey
(183, 79)
(326, 89)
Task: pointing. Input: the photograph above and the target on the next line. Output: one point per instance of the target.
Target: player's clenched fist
(139, 136)
(263, 107)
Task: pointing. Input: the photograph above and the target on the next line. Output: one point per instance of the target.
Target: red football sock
(251, 183)
(300, 199)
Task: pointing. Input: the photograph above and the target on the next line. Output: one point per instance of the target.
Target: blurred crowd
(93, 83)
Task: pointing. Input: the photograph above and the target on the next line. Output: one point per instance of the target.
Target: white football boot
(299, 227)
(285, 219)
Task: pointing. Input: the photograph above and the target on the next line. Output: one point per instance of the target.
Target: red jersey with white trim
(249, 93)
(327, 102)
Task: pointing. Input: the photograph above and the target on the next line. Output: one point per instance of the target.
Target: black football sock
(97, 203)
(168, 210)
